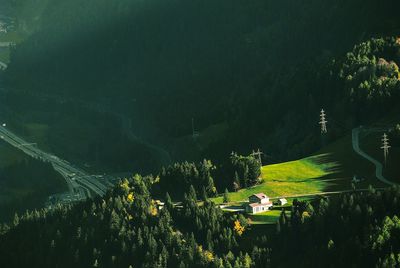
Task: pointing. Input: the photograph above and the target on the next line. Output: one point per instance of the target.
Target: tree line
(208, 179)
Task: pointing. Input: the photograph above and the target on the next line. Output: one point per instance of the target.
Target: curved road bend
(379, 167)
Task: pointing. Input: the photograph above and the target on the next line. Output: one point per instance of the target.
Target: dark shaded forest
(263, 69)
(27, 184)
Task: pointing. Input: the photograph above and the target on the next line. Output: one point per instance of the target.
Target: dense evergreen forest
(128, 228)
(260, 71)
(236, 173)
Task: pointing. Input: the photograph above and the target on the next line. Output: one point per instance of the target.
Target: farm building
(258, 203)
(282, 201)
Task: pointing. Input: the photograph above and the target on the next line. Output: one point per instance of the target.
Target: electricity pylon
(258, 154)
(385, 146)
(323, 122)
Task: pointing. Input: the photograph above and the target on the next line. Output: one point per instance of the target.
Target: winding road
(356, 147)
(80, 184)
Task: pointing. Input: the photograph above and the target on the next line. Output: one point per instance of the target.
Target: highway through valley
(81, 185)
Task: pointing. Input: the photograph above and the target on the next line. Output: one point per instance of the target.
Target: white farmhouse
(258, 203)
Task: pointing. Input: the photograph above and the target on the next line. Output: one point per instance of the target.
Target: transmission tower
(323, 122)
(258, 155)
(385, 146)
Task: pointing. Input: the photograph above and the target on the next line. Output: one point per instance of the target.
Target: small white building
(258, 203)
(282, 201)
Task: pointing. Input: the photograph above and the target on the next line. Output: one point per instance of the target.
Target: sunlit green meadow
(304, 176)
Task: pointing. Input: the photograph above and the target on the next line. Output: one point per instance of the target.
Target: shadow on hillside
(326, 160)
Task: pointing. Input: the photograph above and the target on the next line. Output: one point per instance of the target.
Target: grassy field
(268, 217)
(309, 175)
(331, 169)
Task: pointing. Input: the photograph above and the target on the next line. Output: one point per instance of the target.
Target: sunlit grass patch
(268, 217)
(304, 176)
(299, 170)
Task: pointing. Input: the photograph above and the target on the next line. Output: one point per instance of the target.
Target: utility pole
(385, 146)
(323, 122)
(258, 155)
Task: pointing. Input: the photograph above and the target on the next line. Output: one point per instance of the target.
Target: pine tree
(204, 194)
(226, 196)
(15, 220)
(168, 202)
(283, 218)
(236, 182)
(209, 240)
(192, 193)
(278, 226)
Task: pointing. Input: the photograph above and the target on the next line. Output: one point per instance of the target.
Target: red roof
(259, 196)
(253, 205)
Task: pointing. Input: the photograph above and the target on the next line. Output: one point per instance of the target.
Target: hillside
(25, 183)
(226, 63)
(128, 228)
(199, 133)
(331, 169)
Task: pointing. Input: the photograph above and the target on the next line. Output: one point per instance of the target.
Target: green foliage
(371, 71)
(226, 198)
(114, 232)
(179, 178)
(247, 168)
(238, 172)
(356, 229)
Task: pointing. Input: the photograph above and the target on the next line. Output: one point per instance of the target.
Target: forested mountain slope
(110, 83)
(260, 68)
(128, 228)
